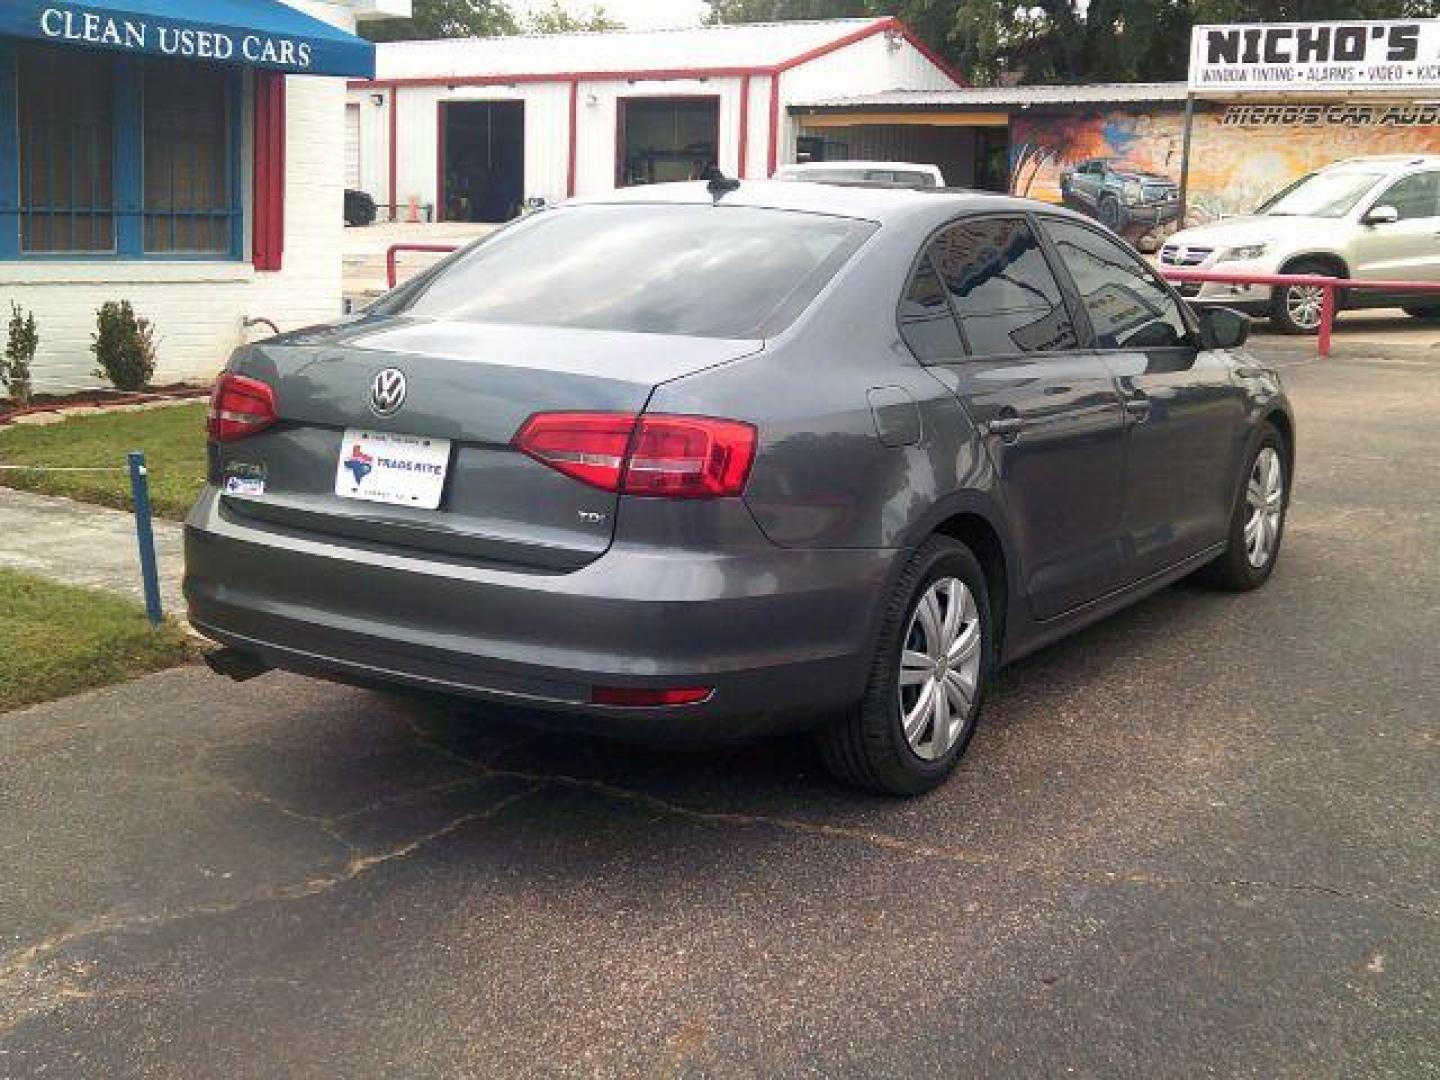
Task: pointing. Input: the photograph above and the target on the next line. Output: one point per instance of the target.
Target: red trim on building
(572, 161)
(744, 126)
(268, 226)
(949, 70)
(652, 74)
(394, 153)
(878, 27)
(440, 141)
(773, 157)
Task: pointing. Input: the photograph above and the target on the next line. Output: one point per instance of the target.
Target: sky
(636, 14)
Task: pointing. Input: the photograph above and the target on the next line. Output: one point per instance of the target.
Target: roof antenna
(720, 186)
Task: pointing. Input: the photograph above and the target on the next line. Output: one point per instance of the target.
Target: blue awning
(257, 33)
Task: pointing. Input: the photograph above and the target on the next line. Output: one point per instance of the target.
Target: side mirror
(1222, 327)
(1382, 215)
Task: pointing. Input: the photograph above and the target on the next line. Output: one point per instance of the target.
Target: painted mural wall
(1240, 154)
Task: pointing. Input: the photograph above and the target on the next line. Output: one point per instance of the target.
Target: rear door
(1048, 410)
(1184, 416)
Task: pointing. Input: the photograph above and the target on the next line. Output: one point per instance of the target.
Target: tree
(446, 19)
(558, 20)
(744, 11)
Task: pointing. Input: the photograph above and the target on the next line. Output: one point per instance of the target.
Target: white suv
(1371, 217)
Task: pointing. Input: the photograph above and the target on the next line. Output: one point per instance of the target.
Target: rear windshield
(697, 271)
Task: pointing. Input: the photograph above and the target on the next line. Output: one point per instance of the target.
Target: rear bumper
(781, 636)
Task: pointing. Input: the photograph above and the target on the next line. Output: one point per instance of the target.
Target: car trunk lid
(472, 384)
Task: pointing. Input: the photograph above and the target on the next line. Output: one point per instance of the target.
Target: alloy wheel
(1304, 304)
(1265, 506)
(940, 668)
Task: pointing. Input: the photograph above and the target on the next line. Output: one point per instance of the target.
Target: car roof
(890, 166)
(880, 204)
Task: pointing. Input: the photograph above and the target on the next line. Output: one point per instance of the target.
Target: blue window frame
(118, 157)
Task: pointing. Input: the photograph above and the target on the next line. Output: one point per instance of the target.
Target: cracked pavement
(1198, 839)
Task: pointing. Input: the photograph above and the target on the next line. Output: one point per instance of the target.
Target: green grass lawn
(57, 640)
(172, 438)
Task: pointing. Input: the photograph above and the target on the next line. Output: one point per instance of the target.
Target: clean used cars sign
(1398, 54)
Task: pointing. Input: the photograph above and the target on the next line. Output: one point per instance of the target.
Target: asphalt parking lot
(1199, 839)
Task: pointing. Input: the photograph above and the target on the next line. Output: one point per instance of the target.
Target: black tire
(867, 747)
(1234, 571)
(1424, 314)
(1280, 313)
(1108, 212)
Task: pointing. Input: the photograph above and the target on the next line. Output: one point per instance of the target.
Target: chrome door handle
(1139, 408)
(1006, 425)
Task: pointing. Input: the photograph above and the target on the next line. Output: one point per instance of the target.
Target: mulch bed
(42, 403)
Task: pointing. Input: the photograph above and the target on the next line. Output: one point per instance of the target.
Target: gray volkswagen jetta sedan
(714, 460)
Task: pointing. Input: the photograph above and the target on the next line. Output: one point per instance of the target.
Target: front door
(1049, 412)
(1184, 416)
(1408, 249)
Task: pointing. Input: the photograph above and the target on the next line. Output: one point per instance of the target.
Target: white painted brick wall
(198, 307)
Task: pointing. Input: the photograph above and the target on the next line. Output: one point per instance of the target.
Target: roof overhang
(255, 33)
(915, 118)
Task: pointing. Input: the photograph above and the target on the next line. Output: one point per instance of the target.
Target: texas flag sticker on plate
(402, 470)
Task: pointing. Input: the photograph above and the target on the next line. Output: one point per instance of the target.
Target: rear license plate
(402, 470)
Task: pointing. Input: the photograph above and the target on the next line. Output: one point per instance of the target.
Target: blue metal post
(145, 535)
(9, 153)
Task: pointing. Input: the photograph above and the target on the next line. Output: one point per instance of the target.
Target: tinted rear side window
(926, 322)
(1007, 298)
(698, 271)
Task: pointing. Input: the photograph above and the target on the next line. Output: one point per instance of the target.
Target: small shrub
(124, 346)
(21, 344)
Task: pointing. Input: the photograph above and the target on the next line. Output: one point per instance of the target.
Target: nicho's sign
(1396, 55)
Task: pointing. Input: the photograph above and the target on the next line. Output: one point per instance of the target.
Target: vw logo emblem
(387, 392)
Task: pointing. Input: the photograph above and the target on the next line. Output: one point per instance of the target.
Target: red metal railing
(1329, 285)
(391, 268)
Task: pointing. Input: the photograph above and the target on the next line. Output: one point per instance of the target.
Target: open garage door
(482, 150)
(663, 140)
(971, 149)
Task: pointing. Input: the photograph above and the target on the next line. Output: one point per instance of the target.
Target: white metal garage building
(469, 129)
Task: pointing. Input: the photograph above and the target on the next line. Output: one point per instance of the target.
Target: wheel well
(980, 537)
(1281, 423)
(1330, 262)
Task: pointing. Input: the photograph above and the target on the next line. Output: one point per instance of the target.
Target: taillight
(655, 455)
(588, 446)
(240, 406)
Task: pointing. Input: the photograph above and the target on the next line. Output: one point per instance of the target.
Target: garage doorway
(482, 160)
(969, 155)
(663, 140)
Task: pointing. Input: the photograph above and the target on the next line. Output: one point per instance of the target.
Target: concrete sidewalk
(81, 544)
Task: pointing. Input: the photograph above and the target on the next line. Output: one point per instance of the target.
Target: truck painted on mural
(1120, 194)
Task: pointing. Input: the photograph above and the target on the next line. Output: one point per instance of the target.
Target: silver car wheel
(1304, 304)
(1265, 507)
(940, 668)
